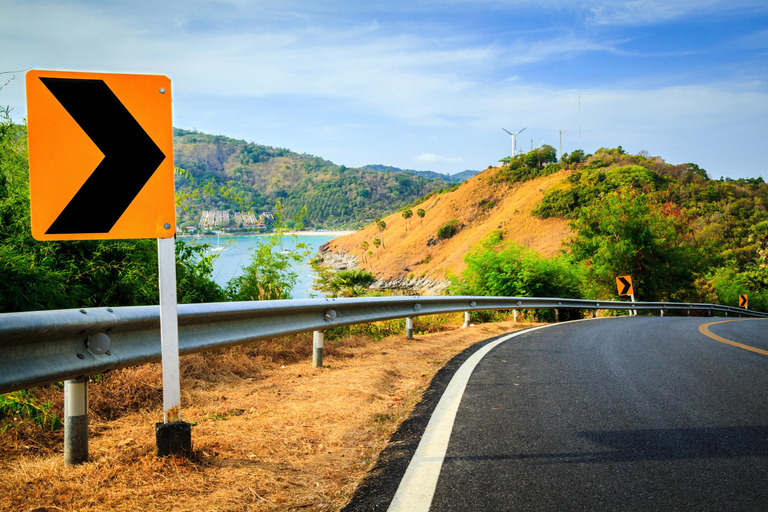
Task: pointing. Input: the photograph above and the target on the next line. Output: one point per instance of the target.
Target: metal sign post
(173, 436)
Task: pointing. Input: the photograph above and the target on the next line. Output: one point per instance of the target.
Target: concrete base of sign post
(173, 439)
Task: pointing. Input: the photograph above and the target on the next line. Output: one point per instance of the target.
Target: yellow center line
(704, 329)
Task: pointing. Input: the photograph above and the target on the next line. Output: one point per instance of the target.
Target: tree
(364, 247)
(506, 269)
(407, 214)
(421, 213)
(344, 283)
(629, 233)
(381, 225)
(377, 243)
(273, 271)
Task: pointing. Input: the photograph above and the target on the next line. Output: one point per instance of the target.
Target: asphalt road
(634, 413)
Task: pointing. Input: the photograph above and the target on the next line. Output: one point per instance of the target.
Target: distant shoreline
(297, 233)
(320, 233)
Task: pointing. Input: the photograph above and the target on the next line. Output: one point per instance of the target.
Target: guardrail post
(557, 315)
(466, 320)
(408, 328)
(662, 312)
(317, 348)
(514, 315)
(75, 421)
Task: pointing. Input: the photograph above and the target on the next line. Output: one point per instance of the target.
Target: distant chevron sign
(101, 156)
(624, 284)
(743, 301)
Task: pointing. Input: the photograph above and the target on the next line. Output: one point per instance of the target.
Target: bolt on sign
(100, 155)
(624, 284)
(743, 301)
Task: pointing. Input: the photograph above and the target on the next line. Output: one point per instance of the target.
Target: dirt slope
(480, 205)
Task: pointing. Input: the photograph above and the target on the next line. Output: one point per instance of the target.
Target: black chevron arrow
(131, 157)
(627, 286)
(743, 301)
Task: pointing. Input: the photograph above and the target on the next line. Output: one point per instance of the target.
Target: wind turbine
(514, 146)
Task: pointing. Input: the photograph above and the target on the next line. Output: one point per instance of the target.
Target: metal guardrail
(44, 347)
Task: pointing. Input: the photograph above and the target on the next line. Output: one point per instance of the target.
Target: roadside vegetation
(681, 235)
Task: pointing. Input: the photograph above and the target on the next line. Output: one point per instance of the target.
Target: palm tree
(377, 243)
(421, 213)
(364, 247)
(407, 214)
(382, 226)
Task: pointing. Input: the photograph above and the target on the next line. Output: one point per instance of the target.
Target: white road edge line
(417, 488)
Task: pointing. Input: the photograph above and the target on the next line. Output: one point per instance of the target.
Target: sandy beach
(321, 233)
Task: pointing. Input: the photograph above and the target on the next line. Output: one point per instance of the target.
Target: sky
(428, 84)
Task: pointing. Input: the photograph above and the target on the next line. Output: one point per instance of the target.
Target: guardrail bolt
(417, 307)
(318, 339)
(76, 421)
(408, 328)
(98, 343)
(330, 315)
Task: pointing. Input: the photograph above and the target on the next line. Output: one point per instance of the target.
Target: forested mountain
(243, 176)
(453, 178)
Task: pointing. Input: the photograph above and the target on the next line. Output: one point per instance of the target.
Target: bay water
(235, 252)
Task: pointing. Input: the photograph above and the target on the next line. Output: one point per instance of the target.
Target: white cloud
(429, 158)
(644, 12)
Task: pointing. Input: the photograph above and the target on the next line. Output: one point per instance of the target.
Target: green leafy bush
(588, 185)
(23, 405)
(630, 233)
(505, 269)
(448, 229)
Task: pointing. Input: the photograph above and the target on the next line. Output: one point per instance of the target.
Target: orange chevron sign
(100, 155)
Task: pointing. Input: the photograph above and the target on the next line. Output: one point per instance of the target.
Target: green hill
(460, 177)
(243, 176)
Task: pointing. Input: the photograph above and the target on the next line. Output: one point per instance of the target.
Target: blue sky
(429, 84)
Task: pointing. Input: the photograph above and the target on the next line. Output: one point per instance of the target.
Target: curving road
(633, 413)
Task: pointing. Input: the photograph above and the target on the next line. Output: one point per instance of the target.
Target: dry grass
(271, 432)
(408, 251)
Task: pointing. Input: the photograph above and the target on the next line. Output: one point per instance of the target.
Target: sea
(235, 252)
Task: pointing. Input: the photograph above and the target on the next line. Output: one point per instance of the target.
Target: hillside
(481, 205)
(459, 177)
(234, 175)
(721, 226)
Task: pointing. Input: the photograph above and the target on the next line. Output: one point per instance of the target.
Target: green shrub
(23, 404)
(448, 229)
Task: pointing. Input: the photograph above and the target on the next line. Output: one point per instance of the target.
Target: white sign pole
(173, 436)
(169, 330)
